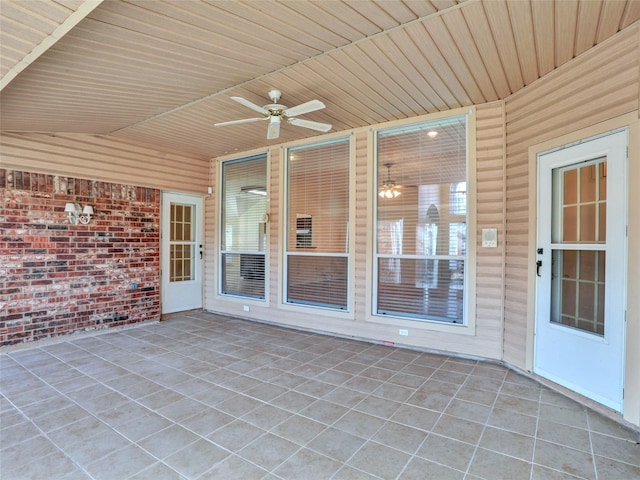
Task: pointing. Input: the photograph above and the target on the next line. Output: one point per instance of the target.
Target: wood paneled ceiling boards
(162, 72)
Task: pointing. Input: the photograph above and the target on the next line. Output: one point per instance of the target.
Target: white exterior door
(181, 252)
(581, 268)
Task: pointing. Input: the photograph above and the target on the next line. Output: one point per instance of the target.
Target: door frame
(631, 382)
(166, 196)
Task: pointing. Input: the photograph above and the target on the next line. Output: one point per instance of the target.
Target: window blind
(421, 234)
(318, 224)
(243, 229)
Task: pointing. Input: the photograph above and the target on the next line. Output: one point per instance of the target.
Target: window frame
(468, 327)
(348, 312)
(222, 231)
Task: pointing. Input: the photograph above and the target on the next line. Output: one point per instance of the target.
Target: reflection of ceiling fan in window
(389, 188)
(276, 113)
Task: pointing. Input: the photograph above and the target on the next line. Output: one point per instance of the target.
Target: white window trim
(469, 325)
(348, 313)
(217, 287)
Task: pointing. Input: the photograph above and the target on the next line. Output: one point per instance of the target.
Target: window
(317, 225)
(244, 230)
(421, 233)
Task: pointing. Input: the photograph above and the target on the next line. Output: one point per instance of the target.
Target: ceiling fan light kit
(274, 127)
(389, 188)
(276, 112)
(389, 192)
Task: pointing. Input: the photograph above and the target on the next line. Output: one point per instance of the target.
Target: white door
(181, 252)
(581, 268)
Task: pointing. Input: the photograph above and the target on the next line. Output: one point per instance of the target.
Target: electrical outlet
(402, 332)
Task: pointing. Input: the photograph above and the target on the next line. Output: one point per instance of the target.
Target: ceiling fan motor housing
(275, 95)
(275, 110)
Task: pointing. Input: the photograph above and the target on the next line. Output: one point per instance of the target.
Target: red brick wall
(57, 278)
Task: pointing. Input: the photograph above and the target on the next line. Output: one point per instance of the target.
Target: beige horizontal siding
(489, 208)
(273, 208)
(210, 240)
(101, 158)
(361, 285)
(597, 86)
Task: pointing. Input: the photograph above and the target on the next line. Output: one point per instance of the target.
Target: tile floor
(209, 397)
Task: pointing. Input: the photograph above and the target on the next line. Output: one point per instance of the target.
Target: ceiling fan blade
(310, 106)
(250, 105)
(321, 127)
(274, 128)
(236, 122)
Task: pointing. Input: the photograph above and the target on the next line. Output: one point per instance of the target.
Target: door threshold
(167, 316)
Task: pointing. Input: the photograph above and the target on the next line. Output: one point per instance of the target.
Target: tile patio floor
(209, 397)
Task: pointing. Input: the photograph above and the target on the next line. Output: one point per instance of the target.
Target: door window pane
(588, 223)
(570, 187)
(570, 223)
(583, 208)
(181, 243)
(579, 201)
(577, 289)
(588, 184)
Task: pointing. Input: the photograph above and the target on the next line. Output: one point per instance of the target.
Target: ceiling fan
(389, 188)
(276, 113)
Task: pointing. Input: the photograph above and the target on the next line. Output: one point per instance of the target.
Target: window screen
(421, 221)
(318, 225)
(243, 228)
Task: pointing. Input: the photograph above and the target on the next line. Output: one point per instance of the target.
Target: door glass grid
(584, 202)
(578, 283)
(181, 248)
(578, 289)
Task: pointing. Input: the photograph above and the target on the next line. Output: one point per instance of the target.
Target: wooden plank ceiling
(161, 72)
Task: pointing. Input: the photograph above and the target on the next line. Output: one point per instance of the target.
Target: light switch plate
(490, 237)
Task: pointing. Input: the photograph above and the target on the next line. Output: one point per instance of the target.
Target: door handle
(200, 252)
(538, 265)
